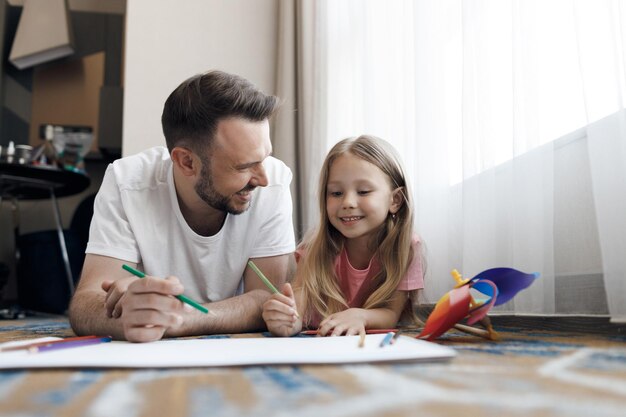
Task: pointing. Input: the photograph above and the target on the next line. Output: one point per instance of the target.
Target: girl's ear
(397, 200)
(186, 161)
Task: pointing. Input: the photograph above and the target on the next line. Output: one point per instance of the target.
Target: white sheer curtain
(602, 47)
(510, 119)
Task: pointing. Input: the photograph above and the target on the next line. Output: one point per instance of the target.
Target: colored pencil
(181, 297)
(387, 339)
(367, 331)
(49, 342)
(395, 337)
(266, 281)
(71, 344)
(362, 339)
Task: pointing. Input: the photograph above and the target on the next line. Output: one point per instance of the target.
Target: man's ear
(397, 200)
(186, 161)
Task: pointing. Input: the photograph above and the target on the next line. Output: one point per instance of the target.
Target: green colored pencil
(266, 281)
(181, 297)
(263, 277)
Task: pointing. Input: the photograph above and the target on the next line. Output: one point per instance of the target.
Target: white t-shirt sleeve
(276, 235)
(110, 233)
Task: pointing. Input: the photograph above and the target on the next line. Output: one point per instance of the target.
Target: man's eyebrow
(249, 164)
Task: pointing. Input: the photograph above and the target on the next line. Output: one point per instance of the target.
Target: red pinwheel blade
(449, 310)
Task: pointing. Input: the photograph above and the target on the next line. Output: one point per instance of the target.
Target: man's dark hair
(193, 110)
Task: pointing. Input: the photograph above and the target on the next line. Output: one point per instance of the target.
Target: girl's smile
(350, 220)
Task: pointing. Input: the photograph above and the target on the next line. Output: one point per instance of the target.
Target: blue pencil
(387, 339)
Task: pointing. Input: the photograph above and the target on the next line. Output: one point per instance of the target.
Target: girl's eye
(364, 192)
(335, 193)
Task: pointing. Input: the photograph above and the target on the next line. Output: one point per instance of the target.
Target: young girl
(361, 268)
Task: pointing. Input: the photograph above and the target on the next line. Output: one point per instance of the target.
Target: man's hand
(349, 322)
(280, 313)
(115, 290)
(147, 307)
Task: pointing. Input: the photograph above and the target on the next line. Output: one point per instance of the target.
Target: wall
(168, 41)
(67, 93)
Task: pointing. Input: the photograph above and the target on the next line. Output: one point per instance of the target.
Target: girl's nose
(349, 200)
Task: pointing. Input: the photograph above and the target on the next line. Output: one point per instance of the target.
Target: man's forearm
(239, 314)
(234, 315)
(88, 316)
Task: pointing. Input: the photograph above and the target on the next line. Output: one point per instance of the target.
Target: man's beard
(206, 191)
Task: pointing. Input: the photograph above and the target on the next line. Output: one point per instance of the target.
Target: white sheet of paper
(230, 352)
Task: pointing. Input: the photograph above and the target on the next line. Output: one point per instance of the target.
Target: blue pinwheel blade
(509, 281)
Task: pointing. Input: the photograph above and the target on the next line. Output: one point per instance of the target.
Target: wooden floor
(525, 373)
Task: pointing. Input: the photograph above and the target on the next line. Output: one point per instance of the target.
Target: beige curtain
(298, 127)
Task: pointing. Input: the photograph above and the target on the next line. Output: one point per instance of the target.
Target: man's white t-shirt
(137, 219)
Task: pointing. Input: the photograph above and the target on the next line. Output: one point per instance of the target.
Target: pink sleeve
(414, 278)
(299, 253)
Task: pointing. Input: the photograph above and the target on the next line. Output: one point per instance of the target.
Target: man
(190, 216)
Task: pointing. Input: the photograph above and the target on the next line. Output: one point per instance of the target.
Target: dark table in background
(28, 182)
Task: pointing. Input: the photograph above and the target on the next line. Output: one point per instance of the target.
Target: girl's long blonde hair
(321, 293)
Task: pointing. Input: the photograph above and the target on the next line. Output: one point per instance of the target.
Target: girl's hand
(281, 314)
(349, 322)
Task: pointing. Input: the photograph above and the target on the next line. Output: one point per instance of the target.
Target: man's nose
(260, 177)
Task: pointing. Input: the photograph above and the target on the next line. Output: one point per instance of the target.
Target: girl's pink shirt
(352, 279)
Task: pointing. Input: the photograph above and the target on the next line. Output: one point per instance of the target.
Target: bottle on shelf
(10, 152)
(46, 153)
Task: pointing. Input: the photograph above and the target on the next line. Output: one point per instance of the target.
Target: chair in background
(42, 283)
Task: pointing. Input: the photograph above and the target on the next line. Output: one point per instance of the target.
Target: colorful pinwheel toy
(472, 299)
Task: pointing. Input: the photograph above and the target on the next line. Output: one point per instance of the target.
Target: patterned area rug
(542, 373)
